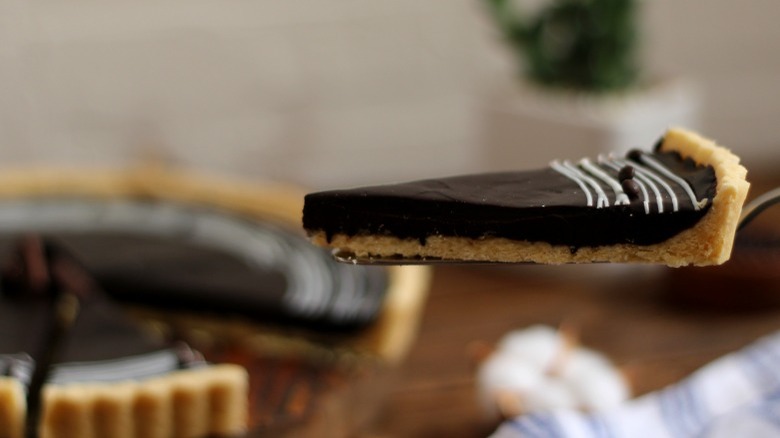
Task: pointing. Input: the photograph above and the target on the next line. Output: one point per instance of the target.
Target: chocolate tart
(74, 364)
(223, 265)
(675, 205)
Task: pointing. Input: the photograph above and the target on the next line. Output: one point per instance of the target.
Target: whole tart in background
(319, 358)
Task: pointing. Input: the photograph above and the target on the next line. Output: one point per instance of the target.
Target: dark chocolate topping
(89, 330)
(98, 330)
(65, 318)
(561, 204)
(100, 333)
(184, 258)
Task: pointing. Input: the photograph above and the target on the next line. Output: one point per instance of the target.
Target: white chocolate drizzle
(602, 200)
(660, 168)
(649, 173)
(138, 367)
(620, 196)
(558, 167)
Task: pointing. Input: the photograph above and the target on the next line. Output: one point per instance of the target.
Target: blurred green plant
(586, 45)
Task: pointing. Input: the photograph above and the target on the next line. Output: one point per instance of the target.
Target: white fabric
(737, 395)
(539, 370)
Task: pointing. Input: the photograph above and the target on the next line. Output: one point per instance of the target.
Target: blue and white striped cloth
(737, 395)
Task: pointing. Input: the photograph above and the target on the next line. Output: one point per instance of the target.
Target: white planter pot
(527, 127)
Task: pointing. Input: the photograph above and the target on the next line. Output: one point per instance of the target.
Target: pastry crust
(13, 408)
(207, 401)
(198, 402)
(709, 242)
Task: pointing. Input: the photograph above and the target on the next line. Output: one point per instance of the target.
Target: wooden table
(619, 310)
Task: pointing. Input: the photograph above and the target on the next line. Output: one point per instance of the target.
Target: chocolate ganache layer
(87, 340)
(643, 199)
(57, 327)
(185, 258)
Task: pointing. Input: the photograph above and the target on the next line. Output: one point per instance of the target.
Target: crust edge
(205, 401)
(13, 408)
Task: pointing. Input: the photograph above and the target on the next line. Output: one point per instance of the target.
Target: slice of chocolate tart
(675, 205)
(73, 364)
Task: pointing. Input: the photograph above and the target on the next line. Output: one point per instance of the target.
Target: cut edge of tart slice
(708, 242)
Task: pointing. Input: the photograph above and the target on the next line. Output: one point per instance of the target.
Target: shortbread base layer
(508, 251)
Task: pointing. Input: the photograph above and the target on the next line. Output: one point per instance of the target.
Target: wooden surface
(622, 311)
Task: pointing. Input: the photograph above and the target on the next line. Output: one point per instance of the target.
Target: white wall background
(325, 93)
(732, 49)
